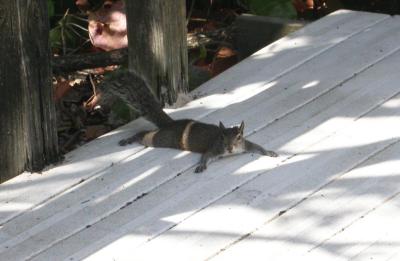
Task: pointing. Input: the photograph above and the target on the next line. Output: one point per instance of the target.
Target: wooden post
(28, 133)
(157, 45)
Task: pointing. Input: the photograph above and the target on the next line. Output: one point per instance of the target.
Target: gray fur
(210, 140)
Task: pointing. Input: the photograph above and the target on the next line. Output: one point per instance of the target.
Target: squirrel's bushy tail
(138, 137)
(133, 89)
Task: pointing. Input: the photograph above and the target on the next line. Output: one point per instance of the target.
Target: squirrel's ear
(241, 128)
(221, 126)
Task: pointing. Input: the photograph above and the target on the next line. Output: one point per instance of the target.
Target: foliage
(69, 34)
(277, 8)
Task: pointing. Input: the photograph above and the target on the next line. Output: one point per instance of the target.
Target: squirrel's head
(233, 138)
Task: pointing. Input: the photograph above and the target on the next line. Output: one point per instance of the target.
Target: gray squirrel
(210, 140)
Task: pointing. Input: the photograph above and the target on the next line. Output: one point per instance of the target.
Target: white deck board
(30, 190)
(371, 237)
(225, 221)
(126, 193)
(356, 104)
(327, 229)
(327, 100)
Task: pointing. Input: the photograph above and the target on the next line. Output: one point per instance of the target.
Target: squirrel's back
(184, 135)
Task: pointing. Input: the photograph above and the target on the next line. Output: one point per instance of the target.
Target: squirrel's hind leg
(138, 137)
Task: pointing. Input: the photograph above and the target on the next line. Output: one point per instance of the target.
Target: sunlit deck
(326, 98)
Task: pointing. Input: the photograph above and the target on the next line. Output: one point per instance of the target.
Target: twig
(93, 85)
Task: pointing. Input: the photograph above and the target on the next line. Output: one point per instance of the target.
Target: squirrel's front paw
(271, 154)
(200, 168)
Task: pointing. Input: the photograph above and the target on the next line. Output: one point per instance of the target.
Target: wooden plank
(30, 190)
(152, 208)
(129, 194)
(373, 237)
(315, 223)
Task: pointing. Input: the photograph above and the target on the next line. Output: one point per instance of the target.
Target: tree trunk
(157, 45)
(28, 137)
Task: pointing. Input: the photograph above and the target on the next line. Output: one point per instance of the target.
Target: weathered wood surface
(157, 33)
(28, 137)
(327, 100)
(71, 63)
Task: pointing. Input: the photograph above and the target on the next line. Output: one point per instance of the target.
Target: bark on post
(28, 137)
(72, 63)
(157, 45)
